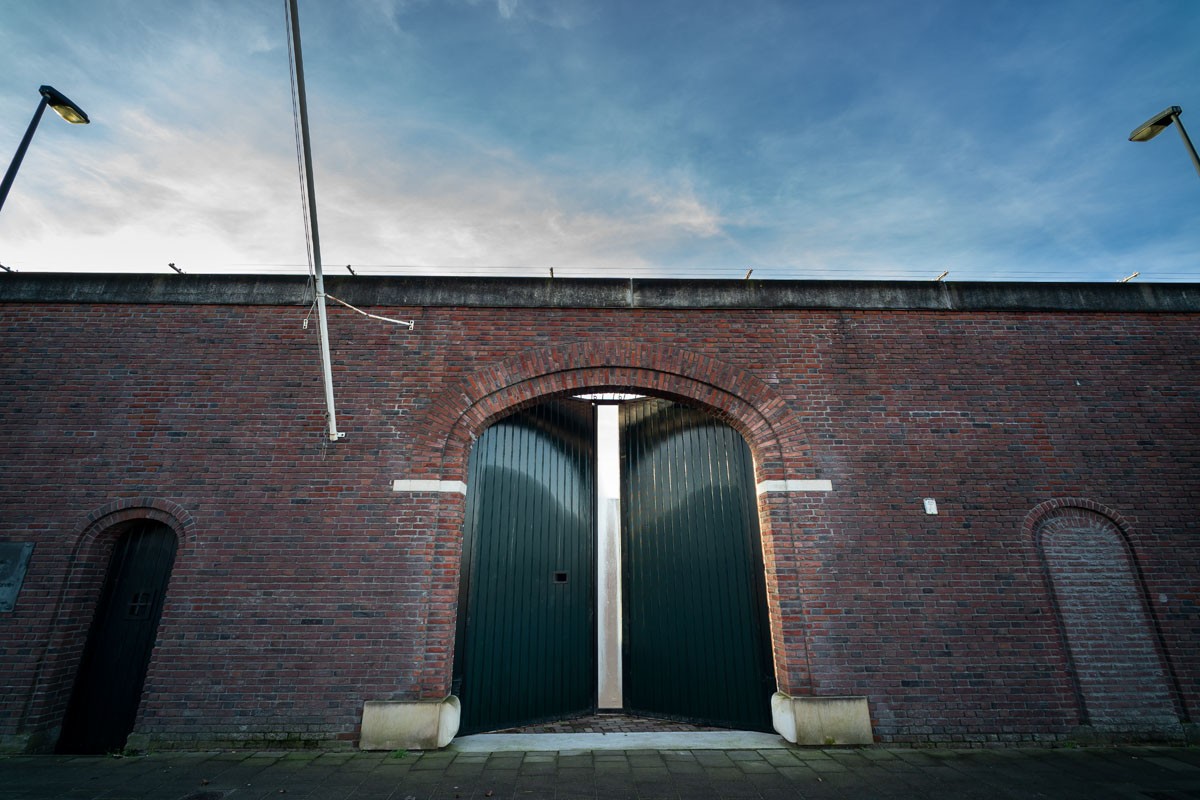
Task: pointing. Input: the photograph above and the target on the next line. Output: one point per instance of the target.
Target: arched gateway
(774, 451)
(690, 632)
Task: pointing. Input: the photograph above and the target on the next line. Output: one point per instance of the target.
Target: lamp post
(65, 109)
(1158, 123)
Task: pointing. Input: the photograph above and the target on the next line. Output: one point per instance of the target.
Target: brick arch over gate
(744, 401)
(775, 436)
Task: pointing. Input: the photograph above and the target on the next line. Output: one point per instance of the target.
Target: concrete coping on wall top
(421, 292)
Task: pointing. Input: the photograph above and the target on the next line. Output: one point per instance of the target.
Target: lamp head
(1155, 125)
(63, 106)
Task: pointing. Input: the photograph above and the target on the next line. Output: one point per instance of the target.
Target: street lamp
(1158, 123)
(65, 109)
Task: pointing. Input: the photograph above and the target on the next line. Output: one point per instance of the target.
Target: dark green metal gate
(696, 633)
(525, 649)
(108, 688)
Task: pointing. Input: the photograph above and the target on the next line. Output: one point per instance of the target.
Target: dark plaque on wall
(14, 558)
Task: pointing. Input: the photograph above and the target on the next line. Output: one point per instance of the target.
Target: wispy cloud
(565, 14)
(494, 209)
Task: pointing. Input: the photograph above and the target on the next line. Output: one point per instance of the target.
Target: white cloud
(227, 193)
(502, 212)
(565, 14)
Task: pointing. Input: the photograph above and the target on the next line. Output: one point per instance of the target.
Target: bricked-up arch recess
(1121, 678)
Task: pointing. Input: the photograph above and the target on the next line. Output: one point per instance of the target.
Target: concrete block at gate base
(822, 720)
(409, 725)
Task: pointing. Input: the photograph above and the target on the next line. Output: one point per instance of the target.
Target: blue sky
(852, 139)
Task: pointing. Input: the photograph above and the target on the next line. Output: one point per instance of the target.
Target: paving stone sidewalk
(1149, 773)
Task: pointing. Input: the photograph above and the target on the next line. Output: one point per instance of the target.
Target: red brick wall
(304, 585)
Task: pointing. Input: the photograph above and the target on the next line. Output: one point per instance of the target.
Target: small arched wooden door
(108, 688)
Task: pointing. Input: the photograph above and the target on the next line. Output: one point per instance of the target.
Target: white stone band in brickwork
(795, 486)
(429, 486)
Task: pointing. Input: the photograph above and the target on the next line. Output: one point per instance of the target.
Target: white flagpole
(326, 367)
